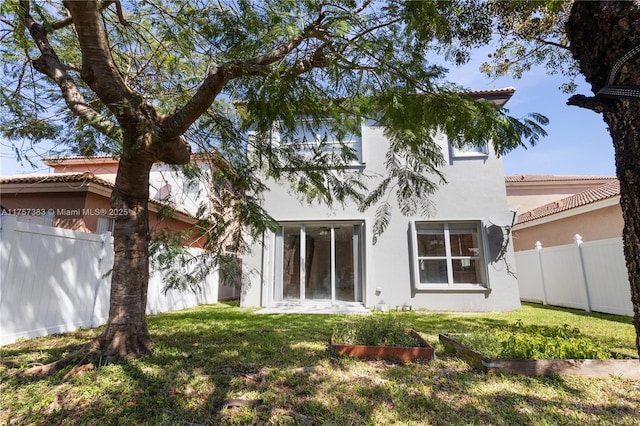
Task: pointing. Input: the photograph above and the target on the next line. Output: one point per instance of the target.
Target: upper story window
(310, 140)
(469, 151)
(448, 255)
(105, 224)
(190, 186)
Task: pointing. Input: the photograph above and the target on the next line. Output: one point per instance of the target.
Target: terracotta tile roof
(603, 192)
(74, 177)
(86, 177)
(554, 178)
(57, 161)
(504, 90)
(81, 157)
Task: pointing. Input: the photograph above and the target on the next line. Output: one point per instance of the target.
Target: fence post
(544, 290)
(577, 239)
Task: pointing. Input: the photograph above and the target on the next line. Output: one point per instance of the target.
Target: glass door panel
(291, 262)
(318, 262)
(345, 265)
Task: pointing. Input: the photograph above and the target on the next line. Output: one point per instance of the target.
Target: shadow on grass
(208, 355)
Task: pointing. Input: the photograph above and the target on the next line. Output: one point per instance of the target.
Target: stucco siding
(599, 224)
(474, 191)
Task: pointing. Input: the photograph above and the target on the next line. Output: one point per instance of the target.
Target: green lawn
(280, 364)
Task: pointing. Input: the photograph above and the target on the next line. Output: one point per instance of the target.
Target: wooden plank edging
(592, 368)
(425, 351)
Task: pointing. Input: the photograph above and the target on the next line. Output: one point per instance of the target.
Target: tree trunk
(126, 332)
(600, 34)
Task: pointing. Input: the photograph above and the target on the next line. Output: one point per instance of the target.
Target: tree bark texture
(126, 331)
(147, 137)
(600, 33)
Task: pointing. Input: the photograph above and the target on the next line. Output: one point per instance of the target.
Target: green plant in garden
(561, 331)
(208, 355)
(521, 341)
(538, 346)
(385, 329)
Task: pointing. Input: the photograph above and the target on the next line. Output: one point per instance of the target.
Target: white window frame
(105, 224)
(351, 140)
(450, 285)
(469, 151)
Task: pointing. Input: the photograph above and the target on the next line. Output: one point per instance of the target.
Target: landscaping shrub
(384, 329)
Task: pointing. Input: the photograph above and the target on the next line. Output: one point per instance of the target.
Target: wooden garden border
(594, 368)
(398, 353)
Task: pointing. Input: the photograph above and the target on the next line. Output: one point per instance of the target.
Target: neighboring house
(78, 192)
(453, 260)
(74, 200)
(552, 209)
(166, 183)
(77, 195)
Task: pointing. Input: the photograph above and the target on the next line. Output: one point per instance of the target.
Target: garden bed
(380, 336)
(595, 368)
(397, 353)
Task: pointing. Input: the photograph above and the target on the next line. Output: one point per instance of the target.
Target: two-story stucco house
(457, 259)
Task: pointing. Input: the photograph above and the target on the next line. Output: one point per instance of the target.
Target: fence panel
(49, 279)
(591, 276)
(54, 280)
(530, 276)
(563, 278)
(607, 277)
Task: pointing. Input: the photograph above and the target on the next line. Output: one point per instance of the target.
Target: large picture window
(448, 255)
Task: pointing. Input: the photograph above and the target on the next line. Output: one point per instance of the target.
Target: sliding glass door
(318, 261)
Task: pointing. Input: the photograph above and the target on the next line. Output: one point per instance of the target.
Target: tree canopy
(187, 61)
(599, 40)
(154, 80)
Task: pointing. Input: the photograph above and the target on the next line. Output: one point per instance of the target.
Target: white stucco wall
(168, 183)
(474, 191)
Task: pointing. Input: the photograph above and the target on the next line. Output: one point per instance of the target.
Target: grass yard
(220, 364)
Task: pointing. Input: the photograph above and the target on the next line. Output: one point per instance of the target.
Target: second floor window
(310, 140)
(469, 151)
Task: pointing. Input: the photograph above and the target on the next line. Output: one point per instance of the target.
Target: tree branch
(98, 68)
(178, 122)
(49, 64)
(592, 103)
(552, 43)
(69, 20)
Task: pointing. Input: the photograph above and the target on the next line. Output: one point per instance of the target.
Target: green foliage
(351, 61)
(385, 329)
(530, 34)
(521, 341)
(290, 64)
(204, 356)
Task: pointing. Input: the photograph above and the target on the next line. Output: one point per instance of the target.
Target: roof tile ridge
(578, 199)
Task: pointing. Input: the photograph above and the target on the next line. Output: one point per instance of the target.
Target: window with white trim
(105, 224)
(448, 255)
(469, 151)
(310, 141)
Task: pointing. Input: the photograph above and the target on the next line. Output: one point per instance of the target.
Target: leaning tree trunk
(126, 332)
(605, 40)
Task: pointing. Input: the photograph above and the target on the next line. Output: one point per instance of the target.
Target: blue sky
(577, 143)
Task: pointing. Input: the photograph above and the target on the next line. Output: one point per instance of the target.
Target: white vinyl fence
(54, 280)
(583, 275)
